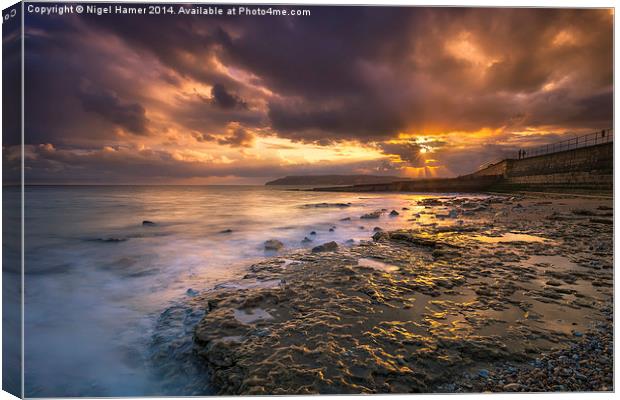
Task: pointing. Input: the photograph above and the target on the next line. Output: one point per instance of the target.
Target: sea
(99, 284)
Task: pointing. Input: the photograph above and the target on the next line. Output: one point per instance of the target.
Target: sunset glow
(413, 92)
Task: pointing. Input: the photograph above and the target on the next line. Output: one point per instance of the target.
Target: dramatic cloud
(418, 91)
(236, 136)
(224, 99)
(405, 152)
(108, 105)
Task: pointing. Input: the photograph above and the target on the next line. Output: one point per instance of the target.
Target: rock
(483, 373)
(372, 215)
(452, 214)
(273, 245)
(148, 223)
(350, 241)
(331, 229)
(346, 219)
(394, 213)
(306, 239)
(429, 202)
(583, 212)
(313, 233)
(577, 334)
(226, 231)
(327, 205)
(329, 246)
(405, 208)
(377, 229)
(380, 235)
(262, 332)
(111, 240)
(602, 221)
(512, 387)
(191, 292)
(412, 238)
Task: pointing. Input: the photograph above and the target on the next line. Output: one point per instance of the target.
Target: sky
(413, 92)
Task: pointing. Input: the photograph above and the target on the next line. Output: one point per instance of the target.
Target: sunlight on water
(97, 279)
(376, 264)
(510, 237)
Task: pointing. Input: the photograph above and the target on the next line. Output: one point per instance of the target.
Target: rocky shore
(494, 293)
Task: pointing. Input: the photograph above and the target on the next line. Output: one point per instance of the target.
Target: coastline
(508, 281)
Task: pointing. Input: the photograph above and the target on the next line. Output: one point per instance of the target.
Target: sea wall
(497, 169)
(584, 169)
(595, 160)
(591, 159)
(587, 169)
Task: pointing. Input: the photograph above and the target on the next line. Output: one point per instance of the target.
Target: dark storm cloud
(74, 93)
(357, 119)
(107, 104)
(183, 43)
(224, 99)
(407, 152)
(323, 68)
(366, 73)
(318, 57)
(411, 69)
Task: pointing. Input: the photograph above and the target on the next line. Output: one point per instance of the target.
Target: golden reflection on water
(378, 265)
(510, 237)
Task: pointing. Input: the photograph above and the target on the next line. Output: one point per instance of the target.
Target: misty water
(103, 291)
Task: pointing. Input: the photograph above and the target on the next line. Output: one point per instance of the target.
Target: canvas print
(267, 199)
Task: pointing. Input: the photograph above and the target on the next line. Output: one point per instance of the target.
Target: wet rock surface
(501, 293)
(273, 245)
(329, 246)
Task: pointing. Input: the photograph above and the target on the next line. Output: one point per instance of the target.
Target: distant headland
(334, 180)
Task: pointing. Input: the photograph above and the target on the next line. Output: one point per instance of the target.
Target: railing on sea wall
(591, 139)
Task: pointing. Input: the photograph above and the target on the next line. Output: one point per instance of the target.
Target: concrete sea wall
(586, 169)
(583, 169)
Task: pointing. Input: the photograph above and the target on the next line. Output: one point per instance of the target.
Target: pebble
(512, 387)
